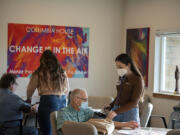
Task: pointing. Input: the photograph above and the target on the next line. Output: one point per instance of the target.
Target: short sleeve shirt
(69, 113)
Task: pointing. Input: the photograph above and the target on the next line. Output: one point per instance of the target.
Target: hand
(28, 100)
(132, 124)
(111, 115)
(34, 108)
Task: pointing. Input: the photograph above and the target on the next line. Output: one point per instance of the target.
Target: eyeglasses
(84, 99)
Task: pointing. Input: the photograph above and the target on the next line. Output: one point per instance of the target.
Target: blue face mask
(84, 105)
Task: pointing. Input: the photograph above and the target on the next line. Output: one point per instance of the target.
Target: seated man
(78, 111)
(11, 107)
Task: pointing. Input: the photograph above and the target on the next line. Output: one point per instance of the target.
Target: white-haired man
(78, 111)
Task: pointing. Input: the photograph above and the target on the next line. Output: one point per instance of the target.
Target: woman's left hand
(111, 115)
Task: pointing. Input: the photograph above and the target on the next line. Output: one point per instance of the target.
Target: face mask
(84, 105)
(121, 72)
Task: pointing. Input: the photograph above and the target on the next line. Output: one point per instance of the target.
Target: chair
(75, 128)
(174, 121)
(5, 125)
(145, 110)
(174, 132)
(158, 116)
(31, 115)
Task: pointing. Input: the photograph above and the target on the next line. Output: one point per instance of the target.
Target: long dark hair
(49, 65)
(125, 59)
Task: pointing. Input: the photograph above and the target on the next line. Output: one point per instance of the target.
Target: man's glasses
(84, 99)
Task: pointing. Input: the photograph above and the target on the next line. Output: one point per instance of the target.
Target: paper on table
(140, 131)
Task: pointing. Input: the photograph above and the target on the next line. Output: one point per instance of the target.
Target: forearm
(67, 88)
(25, 107)
(120, 124)
(30, 93)
(130, 124)
(32, 86)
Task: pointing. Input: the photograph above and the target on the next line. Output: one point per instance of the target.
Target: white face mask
(121, 72)
(84, 105)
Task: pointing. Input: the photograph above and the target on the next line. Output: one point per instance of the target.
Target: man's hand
(111, 115)
(132, 124)
(34, 108)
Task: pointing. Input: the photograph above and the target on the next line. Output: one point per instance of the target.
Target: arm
(130, 124)
(23, 106)
(112, 103)
(136, 95)
(33, 84)
(66, 85)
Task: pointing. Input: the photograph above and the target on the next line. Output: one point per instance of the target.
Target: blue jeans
(131, 115)
(26, 131)
(48, 104)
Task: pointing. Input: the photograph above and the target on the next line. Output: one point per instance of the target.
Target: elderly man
(78, 111)
(11, 107)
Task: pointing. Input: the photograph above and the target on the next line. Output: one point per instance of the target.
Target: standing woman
(52, 84)
(130, 90)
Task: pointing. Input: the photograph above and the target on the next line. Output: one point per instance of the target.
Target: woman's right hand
(111, 115)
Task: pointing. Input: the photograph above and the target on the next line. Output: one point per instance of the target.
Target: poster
(137, 46)
(26, 43)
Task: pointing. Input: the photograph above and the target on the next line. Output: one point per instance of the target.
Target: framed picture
(27, 42)
(137, 46)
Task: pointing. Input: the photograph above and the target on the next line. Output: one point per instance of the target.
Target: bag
(105, 126)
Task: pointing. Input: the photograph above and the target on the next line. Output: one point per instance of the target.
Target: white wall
(103, 17)
(156, 14)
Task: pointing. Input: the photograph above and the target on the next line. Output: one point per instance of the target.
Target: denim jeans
(131, 115)
(48, 104)
(26, 131)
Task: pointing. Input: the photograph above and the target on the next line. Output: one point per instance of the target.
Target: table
(142, 131)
